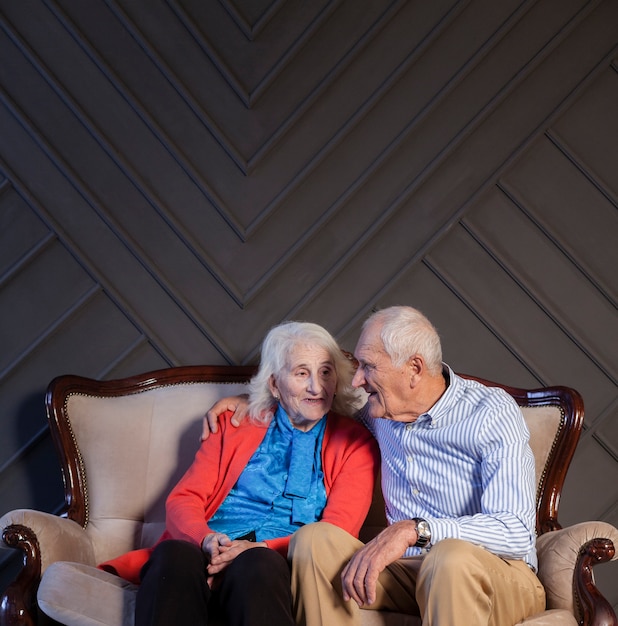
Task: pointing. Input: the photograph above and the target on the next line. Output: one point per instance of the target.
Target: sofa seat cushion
(555, 617)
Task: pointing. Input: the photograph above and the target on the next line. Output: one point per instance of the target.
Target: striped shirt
(466, 467)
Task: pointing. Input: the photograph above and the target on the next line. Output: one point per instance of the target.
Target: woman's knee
(173, 577)
(175, 557)
(255, 573)
(258, 566)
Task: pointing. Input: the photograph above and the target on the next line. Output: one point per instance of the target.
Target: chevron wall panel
(176, 176)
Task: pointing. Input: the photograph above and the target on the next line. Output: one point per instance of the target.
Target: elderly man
(458, 482)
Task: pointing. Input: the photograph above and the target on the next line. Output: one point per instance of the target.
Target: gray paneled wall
(177, 176)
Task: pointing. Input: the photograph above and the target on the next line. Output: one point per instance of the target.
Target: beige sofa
(124, 443)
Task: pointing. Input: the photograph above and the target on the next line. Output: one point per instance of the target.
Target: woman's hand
(213, 544)
(237, 404)
(221, 550)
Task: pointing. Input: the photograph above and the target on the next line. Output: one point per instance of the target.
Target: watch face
(423, 532)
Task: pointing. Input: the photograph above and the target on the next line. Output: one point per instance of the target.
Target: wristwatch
(423, 532)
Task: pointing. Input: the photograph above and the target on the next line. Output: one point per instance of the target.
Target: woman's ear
(272, 385)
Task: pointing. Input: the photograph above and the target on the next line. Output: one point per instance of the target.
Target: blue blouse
(282, 486)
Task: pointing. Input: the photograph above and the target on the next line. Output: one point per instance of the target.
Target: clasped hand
(360, 576)
(221, 551)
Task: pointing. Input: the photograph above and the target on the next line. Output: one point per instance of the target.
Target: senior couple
(263, 527)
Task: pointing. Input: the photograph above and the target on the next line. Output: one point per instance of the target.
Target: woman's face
(306, 385)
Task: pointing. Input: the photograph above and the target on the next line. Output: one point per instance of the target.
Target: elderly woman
(230, 517)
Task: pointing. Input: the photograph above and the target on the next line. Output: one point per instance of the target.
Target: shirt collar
(439, 413)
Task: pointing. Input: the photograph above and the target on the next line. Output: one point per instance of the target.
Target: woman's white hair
(405, 333)
(276, 348)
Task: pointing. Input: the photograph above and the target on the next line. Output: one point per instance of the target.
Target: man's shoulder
(478, 392)
(476, 399)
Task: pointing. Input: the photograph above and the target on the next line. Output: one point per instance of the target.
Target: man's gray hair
(405, 333)
(276, 348)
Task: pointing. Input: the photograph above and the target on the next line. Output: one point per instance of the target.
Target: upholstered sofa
(122, 445)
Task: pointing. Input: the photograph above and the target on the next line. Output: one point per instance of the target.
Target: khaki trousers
(455, 584)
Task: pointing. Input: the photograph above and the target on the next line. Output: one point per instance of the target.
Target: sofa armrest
(59, 538)
(566, 557)
(43, 539)
(594, 607)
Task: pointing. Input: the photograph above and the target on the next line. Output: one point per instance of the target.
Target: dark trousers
(254, 589)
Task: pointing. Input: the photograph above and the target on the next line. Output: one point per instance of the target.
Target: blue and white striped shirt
(466, 467)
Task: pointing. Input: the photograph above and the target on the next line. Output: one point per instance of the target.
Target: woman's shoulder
(343, 423)
(346, 436)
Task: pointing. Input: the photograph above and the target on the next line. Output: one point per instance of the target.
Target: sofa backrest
(134, 449)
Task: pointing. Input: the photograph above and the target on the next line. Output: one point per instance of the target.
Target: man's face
(389, 387)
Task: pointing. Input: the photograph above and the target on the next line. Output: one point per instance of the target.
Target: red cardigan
(350, 460)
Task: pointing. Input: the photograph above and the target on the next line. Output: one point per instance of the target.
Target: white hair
(405, 333)
(276, 347)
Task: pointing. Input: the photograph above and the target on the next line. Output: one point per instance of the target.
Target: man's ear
(416, 367)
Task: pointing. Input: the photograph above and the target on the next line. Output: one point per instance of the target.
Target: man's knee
(304, 540)
(455, 559)
(452, 550)
(495, 590)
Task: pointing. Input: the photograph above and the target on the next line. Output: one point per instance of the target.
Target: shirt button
(408, 426)
(415, 492)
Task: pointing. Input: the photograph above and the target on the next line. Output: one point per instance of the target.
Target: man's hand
(360, 575)
(221, 550)
(237, 404)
